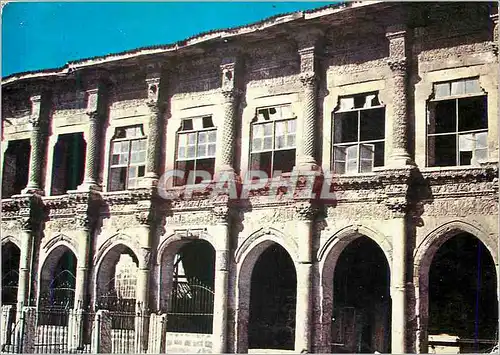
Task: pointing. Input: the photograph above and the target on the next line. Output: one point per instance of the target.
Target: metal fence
(191, 308)
(12, 342)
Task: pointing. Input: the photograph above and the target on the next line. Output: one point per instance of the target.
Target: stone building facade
(394, 105)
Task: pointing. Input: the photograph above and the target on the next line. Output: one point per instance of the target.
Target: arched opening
(191, 303)
(58, 280)
(116, 280)
(273, 293)
(361, 312)
(463, 306)
(11, 256)
(116, 292)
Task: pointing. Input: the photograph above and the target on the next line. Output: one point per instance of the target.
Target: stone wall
(192, 343)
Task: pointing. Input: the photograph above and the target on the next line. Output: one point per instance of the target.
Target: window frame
(430, 111)
(129, 157)
(358, 142)
(195, 159)
(273, 150)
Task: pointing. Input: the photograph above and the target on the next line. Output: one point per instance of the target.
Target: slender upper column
(398, 63)
(309, 45)
(156, 105)
(96, 111)
(39, 119)
(230, 71)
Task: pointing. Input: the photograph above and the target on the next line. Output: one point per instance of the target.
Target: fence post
(157, 333)
(26, 331)
(141, 332)
(6, 324)
(101, 336)
(75, 330)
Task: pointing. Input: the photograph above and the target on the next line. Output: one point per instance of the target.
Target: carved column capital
(144, 258)
(221, 213)
(144, 218)
(397, 205)
(83, 221)
(305, 211)
(153, 84)
(308, 79)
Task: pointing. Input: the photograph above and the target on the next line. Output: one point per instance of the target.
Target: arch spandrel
(174, 241)
(11, 239)
(113, 241)
(266, 234)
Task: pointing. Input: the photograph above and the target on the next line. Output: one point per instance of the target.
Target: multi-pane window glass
(196, 144)
(128, 158)
(358, 134)
(273, 140)
(457, 124)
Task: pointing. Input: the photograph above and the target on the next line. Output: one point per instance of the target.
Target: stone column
(308, 51)
(494, 18)
(230, 70)
(157, 334)
(94, 141)
(304, 217)
(398, 63)
(82, 222)
(219, 338)
(155, 131)
(26, 331)
(398, 276)
(25, 263)
(38, 141)
(101, 333)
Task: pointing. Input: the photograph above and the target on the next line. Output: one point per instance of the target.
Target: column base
(88, 186)
(33, 191)
(400, 160)
(149, 180)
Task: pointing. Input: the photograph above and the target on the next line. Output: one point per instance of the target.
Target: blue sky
(47, 35)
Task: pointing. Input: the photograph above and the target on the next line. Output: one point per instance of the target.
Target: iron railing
(191, 308)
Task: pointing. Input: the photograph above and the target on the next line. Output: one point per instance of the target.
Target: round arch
(328, 256)
(246, 258)
(423, 257)
(164, 264)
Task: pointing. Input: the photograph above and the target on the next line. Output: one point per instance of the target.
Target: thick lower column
(82, 268)
(219, 339)
(398, 287)
(25, 265)
(303, 312)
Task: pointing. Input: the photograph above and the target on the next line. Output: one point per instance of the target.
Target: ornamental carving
(462, 207)
(357, 211)
(398, 206)
(144, 217)
(270, 216)
(308, 79)
(83, 221)
(153, 91)
(191, 218)
(398, 65)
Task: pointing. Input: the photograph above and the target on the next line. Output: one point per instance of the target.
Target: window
(128, 158)
(68, 163)
(358, 134)
(196, 142)
(15, 167)
(273, 140)
(457, 124)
